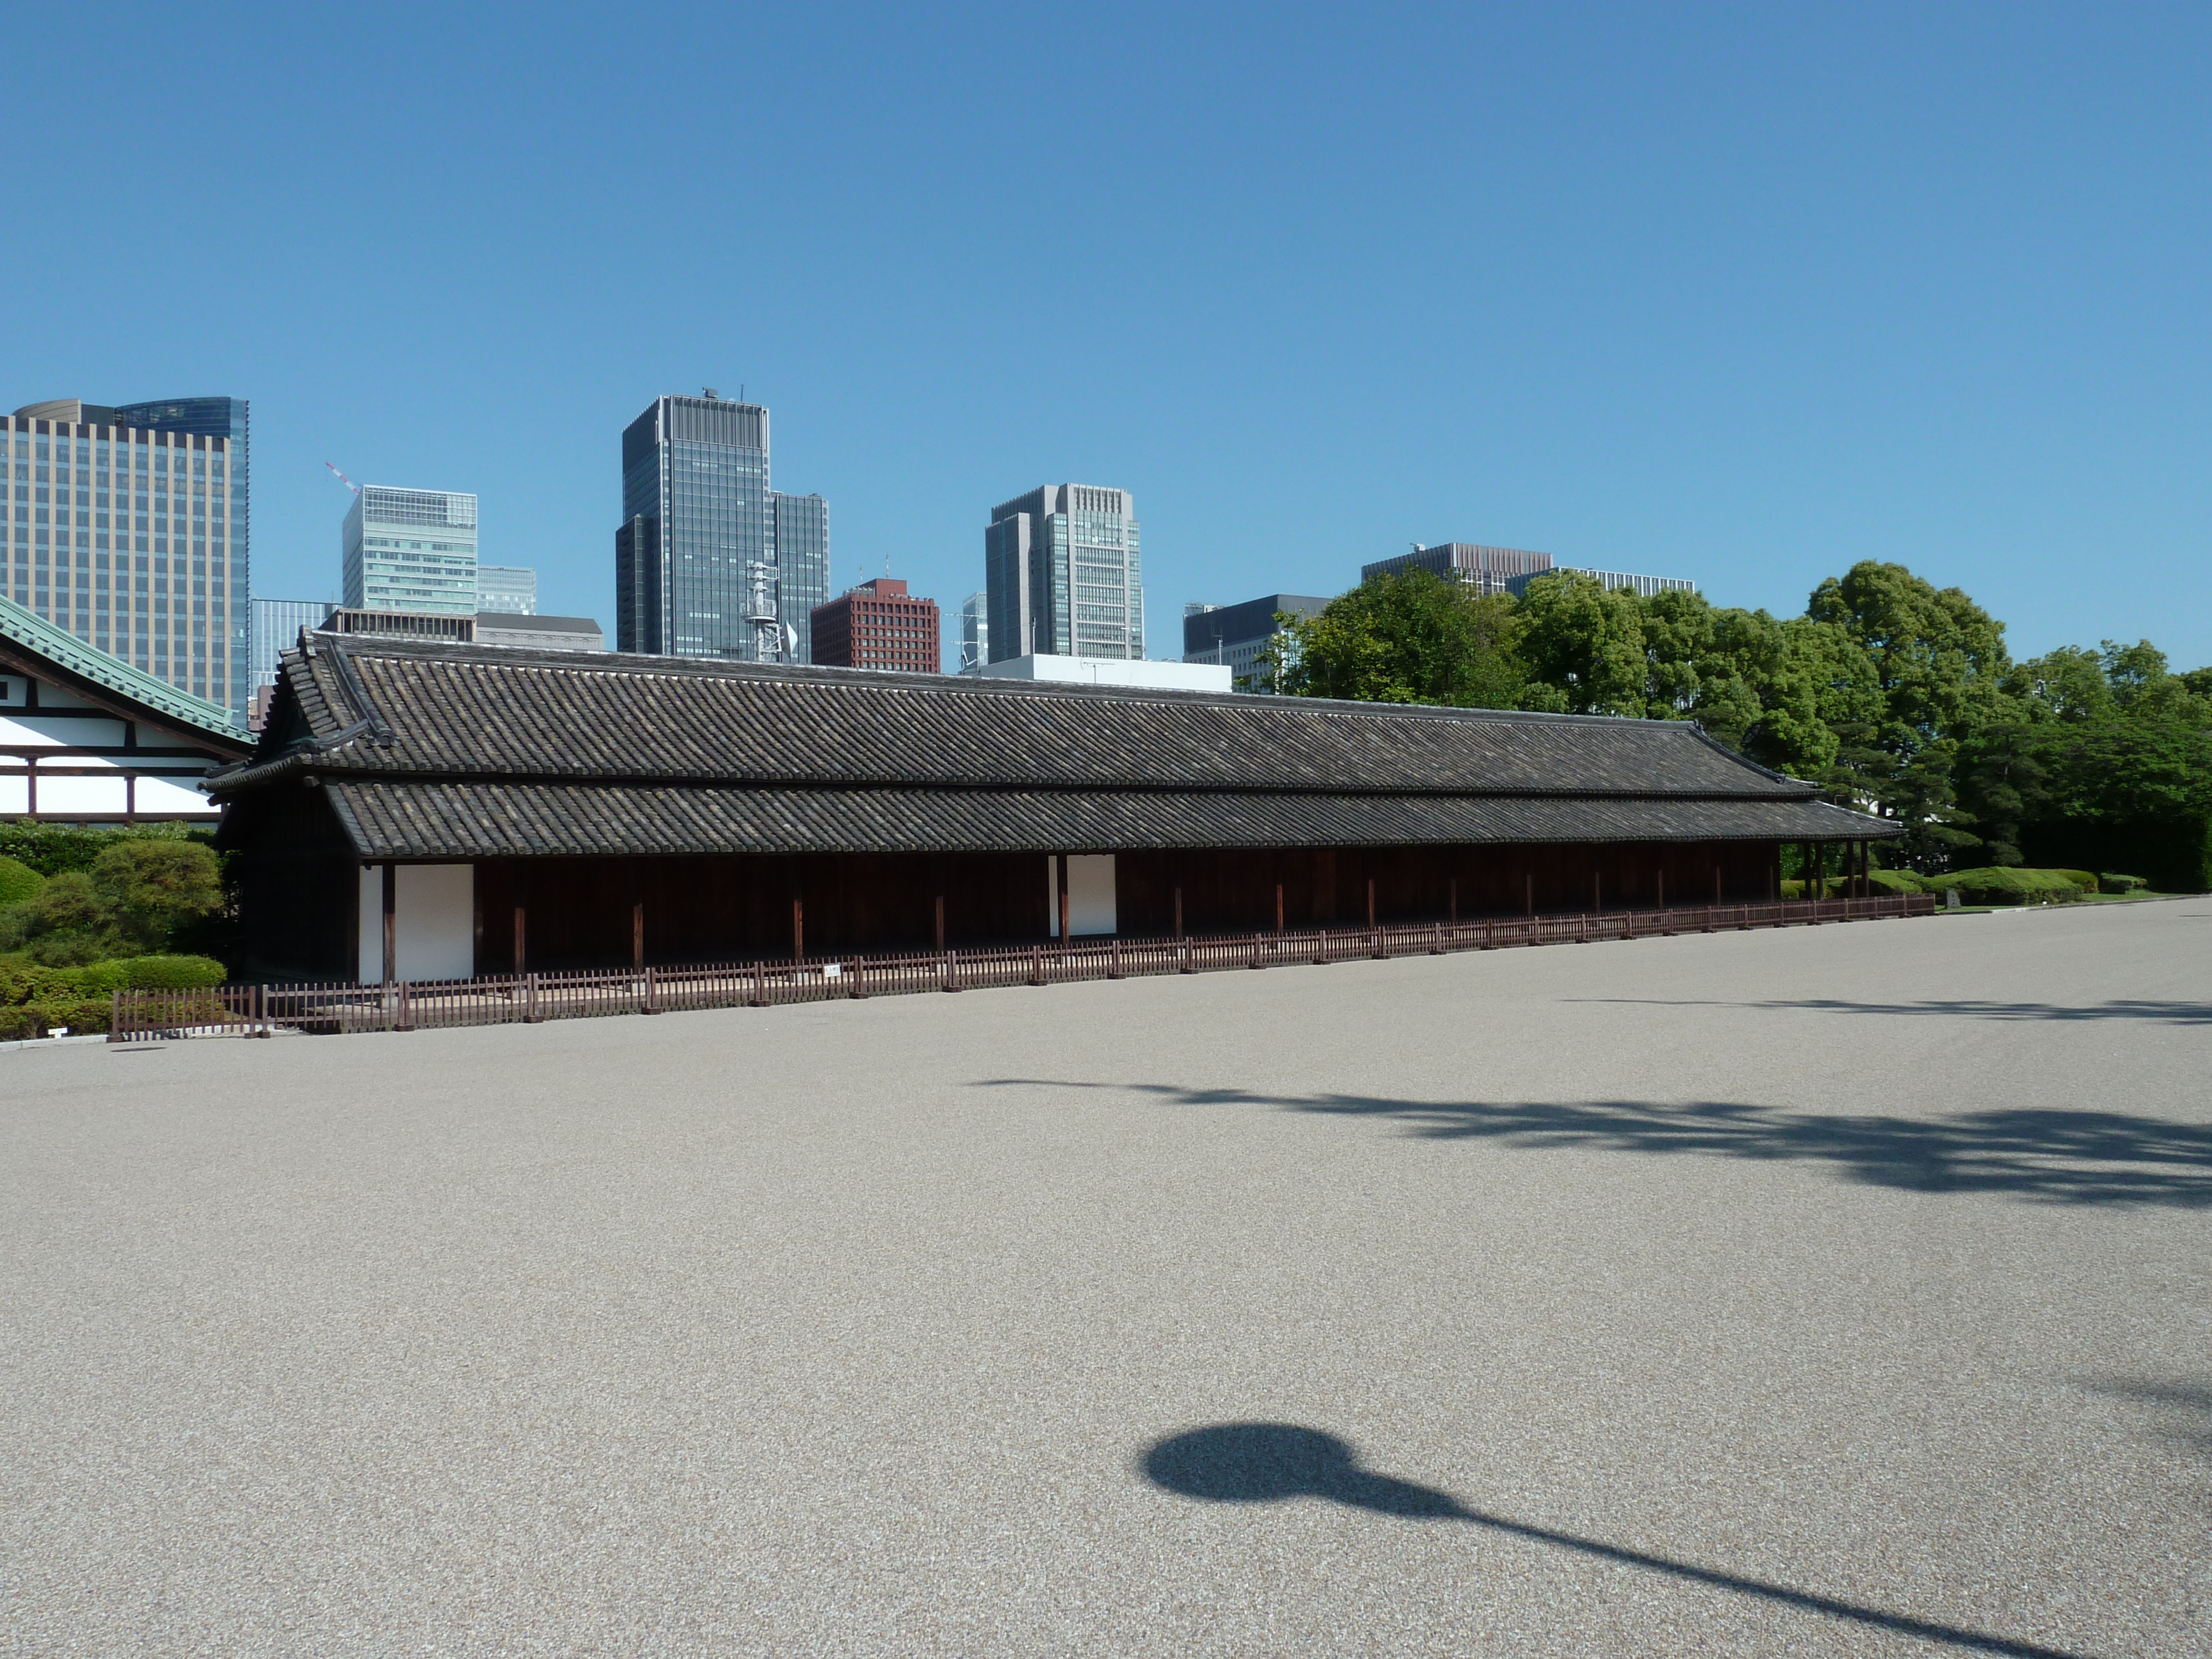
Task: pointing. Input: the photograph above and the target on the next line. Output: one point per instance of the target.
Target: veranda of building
(563, 803)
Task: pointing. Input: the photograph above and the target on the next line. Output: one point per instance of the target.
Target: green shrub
(50, 849)
(2112, 884)
(166, 973)
(2084, 880)
(18, 881)
(135, 896)
(1896, 881)
(2002, 886)
(83, 1015)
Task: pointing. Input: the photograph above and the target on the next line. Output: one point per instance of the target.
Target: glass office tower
(802, 565)
(1062, 574)
(709, 561)
(411, 549)
(510, 588)
(276, 627)
(134, 538)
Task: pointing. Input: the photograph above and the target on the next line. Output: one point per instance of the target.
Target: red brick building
(878, 624)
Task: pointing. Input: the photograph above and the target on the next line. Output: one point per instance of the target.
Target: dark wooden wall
(580, 911)
(298, 883)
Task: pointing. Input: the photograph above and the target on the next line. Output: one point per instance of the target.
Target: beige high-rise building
(133, 538)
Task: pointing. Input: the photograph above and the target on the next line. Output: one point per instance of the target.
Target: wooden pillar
(798, 928)
(521, 939)
(1597, 890)
(1060, 865)
(1452, 901)
(1279, 906)
(1371, 901)
(940, 922)
(637, 936)
(1660, 876)
(391, 922)
(1717, 881)
(1531, 892)
(1178, 912)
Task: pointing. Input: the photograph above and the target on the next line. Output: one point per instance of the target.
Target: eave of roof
(456, 819)
(87, 664)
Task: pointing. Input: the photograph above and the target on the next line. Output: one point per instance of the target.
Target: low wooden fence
(420, 1005)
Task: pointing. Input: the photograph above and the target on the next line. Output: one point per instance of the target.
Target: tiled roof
(408, 818)
(58, 645)
(435, 750)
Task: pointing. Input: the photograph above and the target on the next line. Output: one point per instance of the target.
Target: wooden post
(391, 922)
(1717, 881)
(940, 922)
(1532, 893)
(1178, 909)
(1371, 902)
(1453, 901)
(521, 956)
(637, 936)
(1660, 878)
(1279, 906)
(1597, 890)
(1060, 867)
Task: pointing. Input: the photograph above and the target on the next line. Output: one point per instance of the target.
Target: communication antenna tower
(343, 479)
(768, 627)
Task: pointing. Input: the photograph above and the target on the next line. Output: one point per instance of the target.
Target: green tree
(1411, 637)
(1586, 643)
(135, 896)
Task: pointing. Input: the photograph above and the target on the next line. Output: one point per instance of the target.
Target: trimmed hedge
(2109, 883)
(35, 1000)
(18, 881)
(2002, 886)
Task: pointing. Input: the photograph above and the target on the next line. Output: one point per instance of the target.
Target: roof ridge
(632, 662)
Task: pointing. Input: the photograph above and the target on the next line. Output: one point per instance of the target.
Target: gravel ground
(1837, 1290)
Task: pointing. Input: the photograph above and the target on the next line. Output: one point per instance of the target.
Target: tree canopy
(1896, 696)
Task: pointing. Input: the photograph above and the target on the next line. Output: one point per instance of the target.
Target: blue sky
(1740, 292)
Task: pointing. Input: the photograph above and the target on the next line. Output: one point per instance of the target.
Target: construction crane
(343, 479)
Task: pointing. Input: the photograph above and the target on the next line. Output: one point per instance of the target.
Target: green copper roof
(34, 634)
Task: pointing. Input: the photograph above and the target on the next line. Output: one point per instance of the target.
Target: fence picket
(258, 1009)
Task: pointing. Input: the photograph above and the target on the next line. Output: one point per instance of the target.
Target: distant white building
(1132, 671)
(509, 588)
(539, 633)
(411, 549)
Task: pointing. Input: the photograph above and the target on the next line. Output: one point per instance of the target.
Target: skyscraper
(411, 549)
(1060, 567)
(974, 633)
(709, 561)
(134, 538)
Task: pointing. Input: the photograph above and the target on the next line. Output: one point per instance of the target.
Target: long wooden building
(506, 807)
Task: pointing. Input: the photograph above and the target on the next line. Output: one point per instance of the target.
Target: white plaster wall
(433, 920)
(1090, 894)
(62, 798)
(158, 796)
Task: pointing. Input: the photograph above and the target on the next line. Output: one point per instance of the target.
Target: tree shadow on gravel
(2052, 1156)
(2156, 1013)
(1268, 1462)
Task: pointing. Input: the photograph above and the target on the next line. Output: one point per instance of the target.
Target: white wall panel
(1091, 893)
(434, 921)
(62, 798)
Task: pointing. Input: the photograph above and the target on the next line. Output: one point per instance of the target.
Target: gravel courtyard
(1843, 1289)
